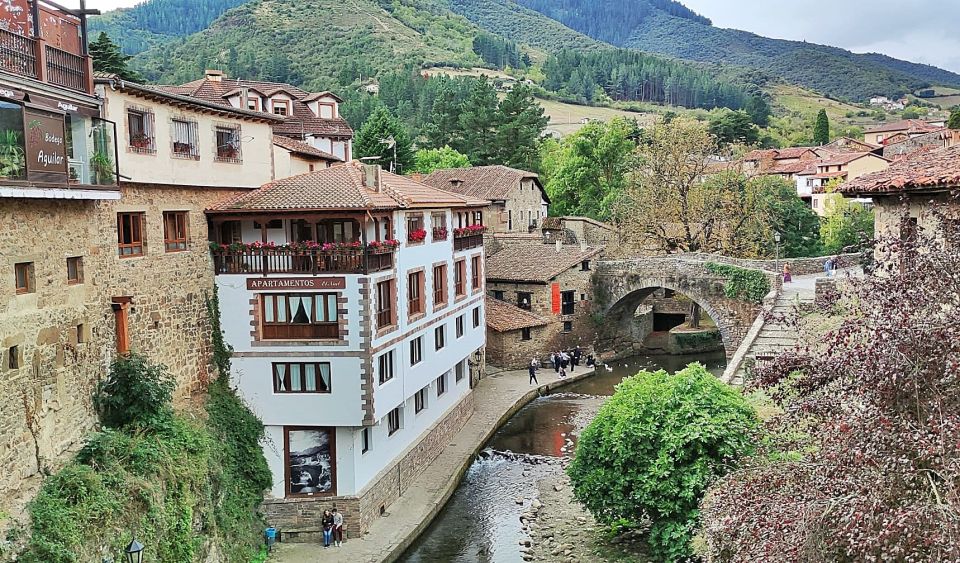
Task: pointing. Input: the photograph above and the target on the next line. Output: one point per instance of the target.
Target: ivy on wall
(741, 283)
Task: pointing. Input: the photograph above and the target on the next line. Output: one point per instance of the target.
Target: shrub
(653, 449)
(136, 394)
(751, 285)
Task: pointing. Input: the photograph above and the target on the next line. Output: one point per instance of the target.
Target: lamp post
(776, 262)
(134, 551)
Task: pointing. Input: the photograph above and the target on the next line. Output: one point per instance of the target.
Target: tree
(654, 447)
(443, 128)
(846, 226)
(730, 127)
(911, 112)
(586, 172)
(478, 123)
(787, 214)
(821, 130)
(374, 140)
(954, 121)
(107, 57)
(428, 160)
(521, 124)
(137, 394)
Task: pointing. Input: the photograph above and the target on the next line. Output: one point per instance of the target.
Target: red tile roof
(840, 159)
(928, 170)
(830, 175)
(779, 154)
(342, 188)
(916, 125)
(487, 182)
(301, 148)
(504, 317)
(535, 262)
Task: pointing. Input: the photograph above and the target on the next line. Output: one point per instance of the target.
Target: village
(405, 339)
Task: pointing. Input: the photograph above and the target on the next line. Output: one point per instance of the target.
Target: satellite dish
(389, 141)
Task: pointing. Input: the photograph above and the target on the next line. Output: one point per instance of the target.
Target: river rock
(519, 500)
(557, 488)
(536, 504)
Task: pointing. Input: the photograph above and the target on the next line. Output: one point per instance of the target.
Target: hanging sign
(46, 146)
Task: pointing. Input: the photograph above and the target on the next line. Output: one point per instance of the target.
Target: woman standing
(787, 276)
(327, 522)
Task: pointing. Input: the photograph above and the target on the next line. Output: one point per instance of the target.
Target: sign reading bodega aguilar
(296, 283)
(46, 146)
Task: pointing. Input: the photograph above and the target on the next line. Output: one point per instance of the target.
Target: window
(81, 336)
(415, 293)
(75, 270)
(130, 234)
(567, 326)
(509, 220)
(585, 265)
(459, 274)
(185, 138)
(459, 370)
(175, 230)
(441, 385)
(312, 377)
(439, 223)
(440, 285)
(498, 294)
(475, 272)
(300, 315)
(476, 317)
(281, 107)
(253, 104)
(13, 357)
(365, 440)
(525, 333)
(327, 111)
(415, 231)
(140, 128)
(393, 421)
(567, 301)
(385, 313)
(440, 337)
(228, 143)
(524, 299)
(24, 276)
(420, 400)
(460, 326)
(416, 350)
(385, 367)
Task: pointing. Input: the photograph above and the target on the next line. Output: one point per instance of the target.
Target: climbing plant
(741, 283)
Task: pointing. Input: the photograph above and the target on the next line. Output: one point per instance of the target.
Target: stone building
(518, 201)
(514, 335)
(550, 281)
(358, 351)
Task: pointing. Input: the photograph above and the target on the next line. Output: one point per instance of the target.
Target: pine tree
(821, 130)
(444, 126)
(107, 57)
(478, 121)
(374, 140)
(521, 124)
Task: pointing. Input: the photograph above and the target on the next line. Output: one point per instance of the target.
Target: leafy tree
(730, 127)
(821, 130)
(108, 58)
(911, 112)
(136, 394)
(374, 139)
(426, 161)
(586, 172)
(954, 121)
(521, 124)
(846, 226)
(479, 120)
(787, 214)
(654, 447)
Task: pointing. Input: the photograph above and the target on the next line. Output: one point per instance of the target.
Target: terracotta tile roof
(487, 182)
(842, 158)
(778, 154)
(830, 175)
(929, 170)
(341, 188)
(848, 144)
(535, 262)
(504, 317)
(904, 125)
(787, 167)
(302, 120)
(301, 148)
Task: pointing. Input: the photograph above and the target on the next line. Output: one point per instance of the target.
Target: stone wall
(508, 350)
(298, 519)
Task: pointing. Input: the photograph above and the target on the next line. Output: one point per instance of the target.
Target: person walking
(787, 277)
(564, 360)
(337, 528)
(555, 358)
(327, 523)
(828, 267)
(563, 373)
(532, 370)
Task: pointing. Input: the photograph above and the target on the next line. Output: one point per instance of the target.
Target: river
(481, 522)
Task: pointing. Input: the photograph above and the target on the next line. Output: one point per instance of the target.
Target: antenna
(391, 144)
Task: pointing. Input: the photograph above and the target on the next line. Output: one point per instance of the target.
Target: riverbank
(498, 398)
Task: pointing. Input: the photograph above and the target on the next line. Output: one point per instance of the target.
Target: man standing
(532, 370)
(337, 528)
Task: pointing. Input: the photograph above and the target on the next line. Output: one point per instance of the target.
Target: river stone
(557, 488)
(536, 504)
(519, 500)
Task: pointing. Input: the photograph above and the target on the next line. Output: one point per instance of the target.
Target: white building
(357, 351)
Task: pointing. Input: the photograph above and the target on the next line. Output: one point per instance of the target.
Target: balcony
(265, 259)
(468, 237)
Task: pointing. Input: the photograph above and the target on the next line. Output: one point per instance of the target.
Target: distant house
(292, 157)
(518, 199)
(514, 335)
(881, 134)
(313, 118)
(939, 138)
(846, 166)
(786, 163)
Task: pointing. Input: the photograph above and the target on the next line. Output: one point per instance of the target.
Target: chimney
(371, 176)
(559, 246)
(417, 177)
(214, 75)
(456, 182)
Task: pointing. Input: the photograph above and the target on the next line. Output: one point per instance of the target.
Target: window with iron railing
(185, 139)
(140, 130)
(227, 141)
(297, 316)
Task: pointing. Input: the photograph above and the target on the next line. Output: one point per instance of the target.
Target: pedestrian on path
(787, 277)
(327, 523)
(564, 360)
(532, 369)
(563, 373)
(828, 267)
(573, 361)
(555, 358)
(337, 528)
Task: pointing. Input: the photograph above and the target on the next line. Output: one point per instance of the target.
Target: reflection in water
(481, 523)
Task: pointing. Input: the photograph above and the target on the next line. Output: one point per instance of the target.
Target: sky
(921, 31)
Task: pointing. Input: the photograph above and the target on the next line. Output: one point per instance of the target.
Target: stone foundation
(298, 519)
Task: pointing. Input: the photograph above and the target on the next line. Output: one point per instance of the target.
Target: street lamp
(134, 552)
(776, 263)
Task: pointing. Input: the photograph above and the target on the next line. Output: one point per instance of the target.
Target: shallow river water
(481, 523)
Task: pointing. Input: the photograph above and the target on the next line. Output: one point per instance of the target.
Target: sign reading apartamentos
(296, 283)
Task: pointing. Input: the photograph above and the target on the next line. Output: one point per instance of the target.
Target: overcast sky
(922, 31)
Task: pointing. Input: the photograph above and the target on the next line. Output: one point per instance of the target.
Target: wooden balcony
(467, 241)
(312, 262)
(34, 58)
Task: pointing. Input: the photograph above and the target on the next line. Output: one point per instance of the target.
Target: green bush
(136, 394)
(749, 285)
(653, 449)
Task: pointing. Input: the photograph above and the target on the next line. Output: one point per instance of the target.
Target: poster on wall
(309, 461)
(46, 146)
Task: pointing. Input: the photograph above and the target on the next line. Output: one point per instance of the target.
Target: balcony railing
(18, 54)
(467, 241)
(66, 69)
(286, 261)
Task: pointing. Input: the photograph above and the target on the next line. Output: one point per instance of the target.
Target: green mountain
(668, 28)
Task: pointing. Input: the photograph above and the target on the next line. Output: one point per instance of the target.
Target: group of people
(561, 361)
(829, 267)
(332, 522)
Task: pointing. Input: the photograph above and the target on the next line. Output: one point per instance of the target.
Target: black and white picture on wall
(310, 461)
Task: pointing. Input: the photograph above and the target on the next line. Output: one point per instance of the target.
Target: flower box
(469, 231)
(439, 233)
(417, 236)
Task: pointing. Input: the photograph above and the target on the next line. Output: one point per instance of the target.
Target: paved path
(497, 398)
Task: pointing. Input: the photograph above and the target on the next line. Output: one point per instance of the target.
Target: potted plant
(182, 148)
(418, 235)
(439, 233)
(13, 158)
(227, 151)
(102, 166)
(140, 141)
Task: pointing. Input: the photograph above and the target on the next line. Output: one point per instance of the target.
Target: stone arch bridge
(621, 285)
